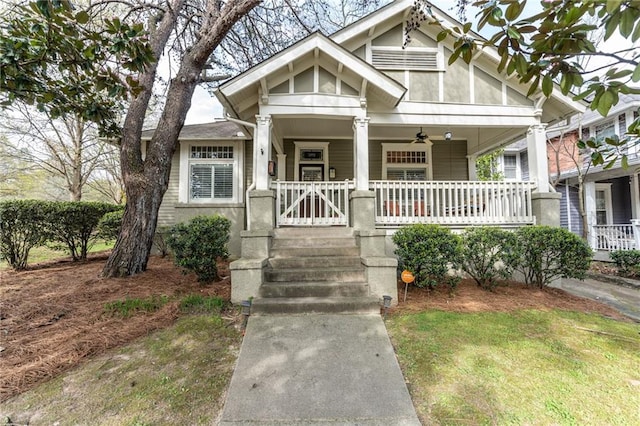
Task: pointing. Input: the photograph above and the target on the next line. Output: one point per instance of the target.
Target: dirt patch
(52, 316)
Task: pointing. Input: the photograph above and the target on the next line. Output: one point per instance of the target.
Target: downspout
(254, 157)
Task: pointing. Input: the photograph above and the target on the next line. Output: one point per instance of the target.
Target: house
(611, 196)
(352, 132)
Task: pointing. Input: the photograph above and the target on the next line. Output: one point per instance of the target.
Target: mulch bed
(52, 316)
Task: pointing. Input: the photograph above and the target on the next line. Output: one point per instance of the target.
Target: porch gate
(312, 203)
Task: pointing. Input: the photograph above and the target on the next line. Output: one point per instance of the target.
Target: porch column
(262, 140)
(635, 201)
(537, 154)
(590, 208)
(361, 154)
(471, 164)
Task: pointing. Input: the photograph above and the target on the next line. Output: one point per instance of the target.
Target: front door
(311, 173)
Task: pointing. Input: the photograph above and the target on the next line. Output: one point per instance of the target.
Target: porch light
(448, 135)
(332, 172)
(246, 311)
(386, 304)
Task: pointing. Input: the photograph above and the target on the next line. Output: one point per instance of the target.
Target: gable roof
(314, 42)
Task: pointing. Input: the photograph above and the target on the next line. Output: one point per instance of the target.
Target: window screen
(510, 167)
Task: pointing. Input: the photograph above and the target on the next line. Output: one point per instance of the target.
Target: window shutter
(392, 59)
(201, 179)
(223, 181)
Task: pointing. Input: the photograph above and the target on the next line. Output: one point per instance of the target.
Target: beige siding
(487, 90)
(290, 150)
(248, 163)
(420, 39)
(424, 86)
(450, 160)
(393, 37)
(170, 199)
(341, 157)
(375, 160)
(515, 98)
(456, 81)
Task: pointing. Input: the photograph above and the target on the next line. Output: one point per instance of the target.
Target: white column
(282, 167)
(635, 200)
(590, 209)
(537, 153)
(262, 141)
(361, 154)
(471, 164)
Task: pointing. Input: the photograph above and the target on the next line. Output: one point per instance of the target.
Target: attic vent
(396, 59)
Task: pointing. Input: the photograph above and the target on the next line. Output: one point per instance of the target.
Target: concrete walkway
(320, 370)
(624, 299)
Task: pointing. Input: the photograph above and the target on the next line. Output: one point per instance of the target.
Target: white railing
(453, 203)
(312, 203)
(614, 237)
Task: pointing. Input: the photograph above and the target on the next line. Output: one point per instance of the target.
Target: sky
(205, 108)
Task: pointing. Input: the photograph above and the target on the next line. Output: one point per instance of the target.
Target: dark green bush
(24, 224)
(627, 260)
(545, 253)
(109, 226)
(486, 254)
(196, 245)
(429, 251)
(74, 223)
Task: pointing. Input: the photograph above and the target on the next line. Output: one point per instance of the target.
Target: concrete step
(315, 262)
(315, 274)
(313, 242)
(314, 289)
(312, 305)
(315, 231)
(315, 251)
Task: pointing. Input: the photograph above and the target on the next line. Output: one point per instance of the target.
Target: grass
(197, 303)
(128, 307)
(526, 367)
(175, 376)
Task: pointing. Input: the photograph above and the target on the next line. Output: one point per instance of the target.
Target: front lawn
(519, 367)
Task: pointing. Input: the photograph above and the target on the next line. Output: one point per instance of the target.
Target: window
(510, 166)
(622, 124)
(606, 129)
(211, 172)
(406, 161)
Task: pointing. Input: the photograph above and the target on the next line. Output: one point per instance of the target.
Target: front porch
(399, 203)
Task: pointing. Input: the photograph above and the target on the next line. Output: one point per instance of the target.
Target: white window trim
(417, 146)
(324, 146)
(238, 172)
(518, 166)
(606, 187)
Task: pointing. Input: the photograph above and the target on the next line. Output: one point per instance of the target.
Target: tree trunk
(146, 181)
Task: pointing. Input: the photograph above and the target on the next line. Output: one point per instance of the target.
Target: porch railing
(312, 203)
(614, 237)
(453, 203)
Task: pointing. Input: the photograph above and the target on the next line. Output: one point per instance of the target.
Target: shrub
(627, 260)
(23, 225)
(160, 240)
(545, 253)
(109, 225)
(429, 251)
(73, 223)
(196, 245)
(486, 254)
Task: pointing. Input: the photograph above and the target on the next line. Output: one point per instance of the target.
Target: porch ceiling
(478, 139)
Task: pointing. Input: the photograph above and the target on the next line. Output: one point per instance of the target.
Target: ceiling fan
(421, 137)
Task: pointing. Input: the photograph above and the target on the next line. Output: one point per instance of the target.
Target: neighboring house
(354, 131)
(611, 196)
